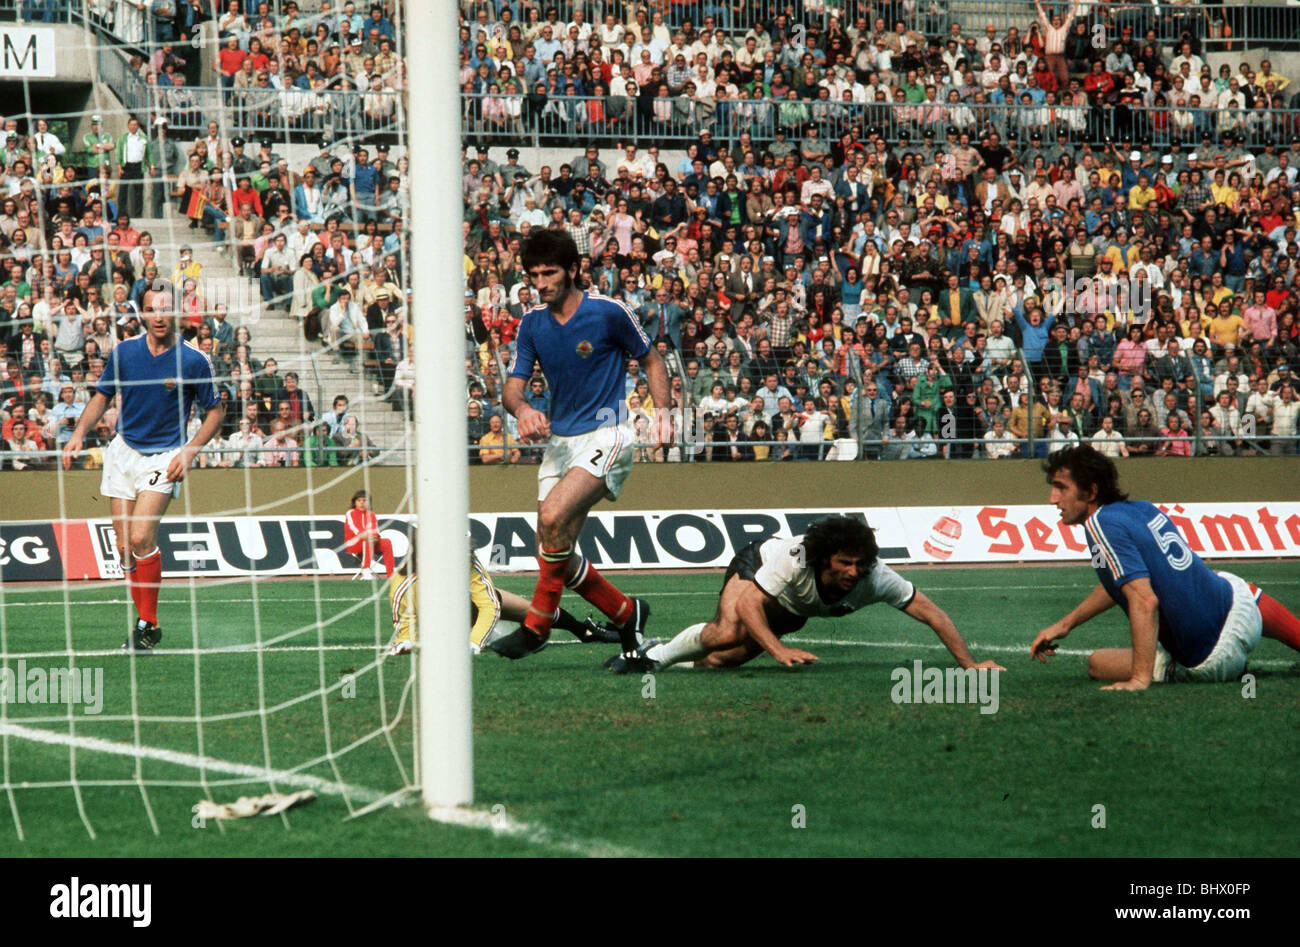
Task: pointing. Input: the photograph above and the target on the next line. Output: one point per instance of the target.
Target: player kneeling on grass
(772, 588)
(158, 379)
(1187, 622)
(487, 605)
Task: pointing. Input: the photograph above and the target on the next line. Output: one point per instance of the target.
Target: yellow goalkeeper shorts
(484, 607)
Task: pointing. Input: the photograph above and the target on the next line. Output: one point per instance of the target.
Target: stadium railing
(1216, 25)
(689, 450)
(284, 113)
(40, 12)
(572, 120)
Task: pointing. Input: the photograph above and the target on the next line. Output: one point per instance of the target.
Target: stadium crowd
(890, 259)
(948, 245)
(322, 241)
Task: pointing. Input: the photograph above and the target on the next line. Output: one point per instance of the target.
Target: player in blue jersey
(158, 379)
(1188, 623)
(582, 341)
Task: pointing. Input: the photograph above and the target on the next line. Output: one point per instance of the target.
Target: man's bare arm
(656, 373)
(533, 424)
(752, 610)
(182, 462)
(1096, 602)
(923, 609)
(1144, 626)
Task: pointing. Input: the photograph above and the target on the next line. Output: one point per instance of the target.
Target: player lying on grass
(488, 605)
(771, 589)
(158, 379)
(1187, 622)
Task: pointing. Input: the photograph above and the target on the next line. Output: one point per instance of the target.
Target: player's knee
(726, 634)
(550, 523)
(1097, 669)
(142, 540)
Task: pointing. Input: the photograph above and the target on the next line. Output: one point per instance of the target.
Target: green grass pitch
(583, 762)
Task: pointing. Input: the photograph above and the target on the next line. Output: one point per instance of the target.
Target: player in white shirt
(772, 588)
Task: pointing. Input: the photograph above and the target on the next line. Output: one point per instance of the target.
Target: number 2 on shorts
(596, 457)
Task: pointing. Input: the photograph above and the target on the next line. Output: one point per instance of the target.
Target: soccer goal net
(247, 171)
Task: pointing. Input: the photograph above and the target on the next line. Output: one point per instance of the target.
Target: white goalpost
(441, 488)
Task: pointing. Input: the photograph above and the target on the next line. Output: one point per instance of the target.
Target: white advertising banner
(664, 539)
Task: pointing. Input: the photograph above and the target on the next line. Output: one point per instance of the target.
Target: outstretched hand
(792, 656)
(1046, 642)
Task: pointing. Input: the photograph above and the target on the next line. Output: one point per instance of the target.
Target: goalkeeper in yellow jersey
(487, 606)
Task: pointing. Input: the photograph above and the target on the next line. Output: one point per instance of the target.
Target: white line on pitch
(977, 647)
(497, 823)
(259, 773)
(192, 652)
(646, 593)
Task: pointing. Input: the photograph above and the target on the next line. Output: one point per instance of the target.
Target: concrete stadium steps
(975, 15)
(275, 333)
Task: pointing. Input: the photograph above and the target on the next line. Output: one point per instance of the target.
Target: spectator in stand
(277, 273)
(22, 449)
(280, 450)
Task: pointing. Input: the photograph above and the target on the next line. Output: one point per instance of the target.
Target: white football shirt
(794, 586)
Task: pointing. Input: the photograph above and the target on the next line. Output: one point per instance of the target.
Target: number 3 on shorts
(153, 481)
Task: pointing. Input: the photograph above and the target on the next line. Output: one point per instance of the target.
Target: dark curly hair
(842, 534)
(1087, 467)
(553, 247)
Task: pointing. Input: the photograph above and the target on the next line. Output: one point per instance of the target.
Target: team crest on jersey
(584, 348)
(169, 384)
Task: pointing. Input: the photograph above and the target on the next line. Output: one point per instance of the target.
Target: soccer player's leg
(1279, 622)
(722, 642)
(560, 517)
(514, 608)
(150, 507)
(122, 509)
(1111, 664)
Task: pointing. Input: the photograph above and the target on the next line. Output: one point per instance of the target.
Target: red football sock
(386, 550)
(552, 565)
(1279, 623)
(148, 576)
(596, 589)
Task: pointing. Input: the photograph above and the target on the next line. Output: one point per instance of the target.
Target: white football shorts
(127, 472)
(605, 453)
(1237, 639)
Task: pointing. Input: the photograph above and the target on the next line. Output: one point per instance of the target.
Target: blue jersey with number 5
(1134, 540)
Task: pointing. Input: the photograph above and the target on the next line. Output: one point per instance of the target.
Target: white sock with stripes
(685, 647)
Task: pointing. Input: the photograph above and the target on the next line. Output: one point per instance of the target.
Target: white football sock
(685, 647)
